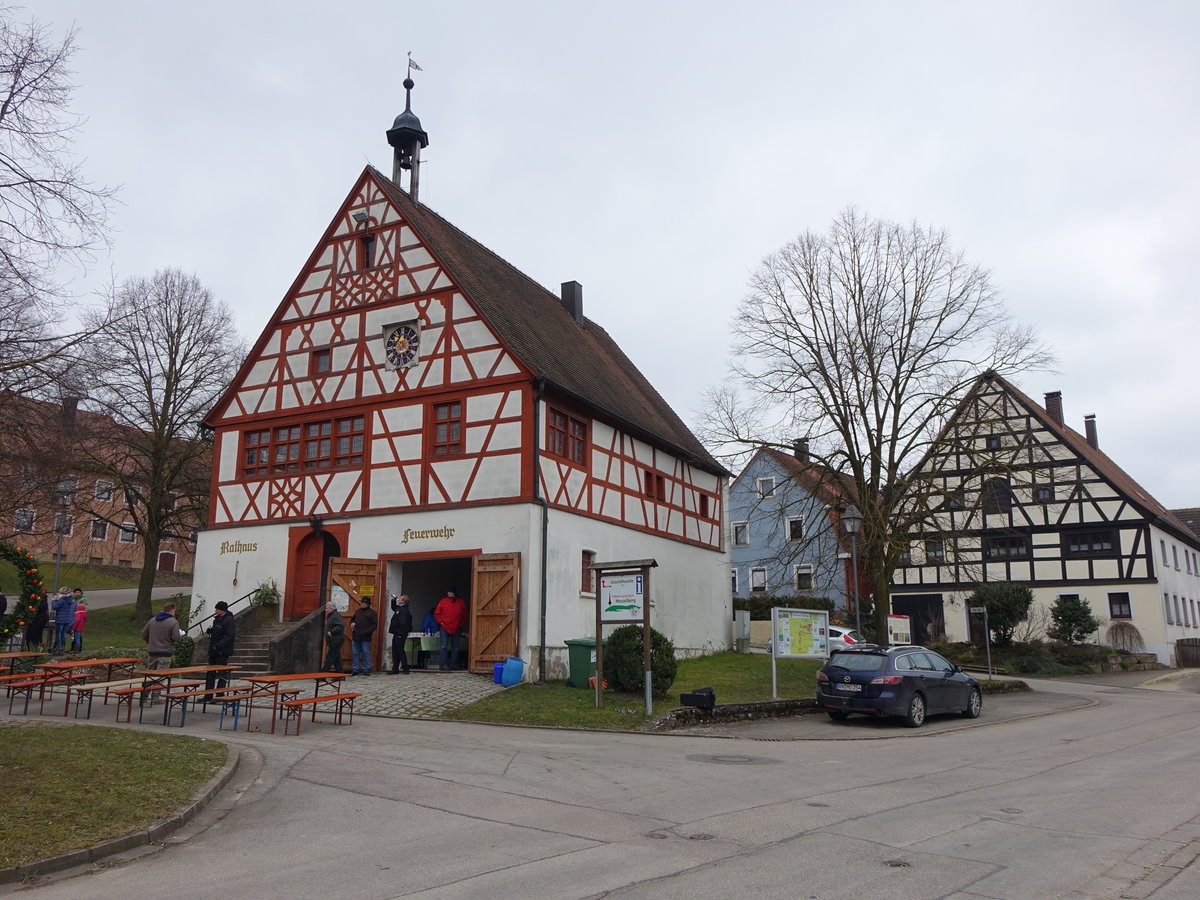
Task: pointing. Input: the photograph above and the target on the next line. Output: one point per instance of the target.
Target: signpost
(798, 634)
(987, 635)
(623, 598)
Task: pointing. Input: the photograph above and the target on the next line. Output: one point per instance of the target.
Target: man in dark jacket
(220, 644)
(362, 627)
(335, 636)
(399, 628)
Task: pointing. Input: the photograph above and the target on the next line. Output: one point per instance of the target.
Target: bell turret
(407, 137)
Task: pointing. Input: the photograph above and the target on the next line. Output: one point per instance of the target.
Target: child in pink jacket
(77, 627)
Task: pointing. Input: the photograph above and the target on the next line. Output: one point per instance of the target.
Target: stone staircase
(251, 653)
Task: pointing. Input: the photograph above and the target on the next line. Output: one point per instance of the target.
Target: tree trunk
(145, 600)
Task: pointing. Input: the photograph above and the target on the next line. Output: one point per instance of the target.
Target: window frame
(765, 492)
(733, 572)
(104, 493)
(991, 542)
(799, 569)
(939, 556)
(449, 447)
(789, 533)
(745, 526)
(567, 436)
(763, 571)
(1072, 547)
(103, 529)
(18, 515)
(1115, 604)
(996, 496)
(64, 524)
(127, 528)
(587, 575)
(321, 362)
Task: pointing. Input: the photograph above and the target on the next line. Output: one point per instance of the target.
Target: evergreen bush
(623, 660)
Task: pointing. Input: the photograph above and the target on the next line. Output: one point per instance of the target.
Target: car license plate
(848, 687)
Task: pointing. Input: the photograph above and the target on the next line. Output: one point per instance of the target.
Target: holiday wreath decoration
(32, 592)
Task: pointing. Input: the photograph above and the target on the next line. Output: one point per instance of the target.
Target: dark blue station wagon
(910, 682)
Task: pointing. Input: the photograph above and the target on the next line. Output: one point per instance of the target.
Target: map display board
(799, 633)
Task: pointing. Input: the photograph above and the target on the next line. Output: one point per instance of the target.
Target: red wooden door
(310, 556)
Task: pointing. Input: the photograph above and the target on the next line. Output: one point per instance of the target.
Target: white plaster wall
(226, 573)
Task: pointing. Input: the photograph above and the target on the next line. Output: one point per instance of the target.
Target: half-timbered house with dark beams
(418, 415)
(1024, 498)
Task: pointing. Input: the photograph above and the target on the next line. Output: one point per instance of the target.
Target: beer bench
(141, 690)
(180, 699)
(44, 684)
(88, 691)
(295, 708)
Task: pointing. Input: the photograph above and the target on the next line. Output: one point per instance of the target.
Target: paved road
(1095, 801)
(121, 596)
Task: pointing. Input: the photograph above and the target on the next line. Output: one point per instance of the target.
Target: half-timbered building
(418, 414)
(1024, 498)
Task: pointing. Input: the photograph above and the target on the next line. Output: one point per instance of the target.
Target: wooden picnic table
(77, 670)
(82, 665)
(14, 655)
(276, 685)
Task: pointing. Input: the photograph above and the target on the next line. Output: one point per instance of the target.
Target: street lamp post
(66, 493)
(852, 521)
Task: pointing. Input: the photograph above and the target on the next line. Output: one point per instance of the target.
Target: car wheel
(838, 715)
(916, 712)
(974, 705)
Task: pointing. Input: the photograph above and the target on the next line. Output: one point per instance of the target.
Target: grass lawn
(735, 677)
(69, 786)
(69, 575)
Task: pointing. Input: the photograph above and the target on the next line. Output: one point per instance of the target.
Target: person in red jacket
(451, 615)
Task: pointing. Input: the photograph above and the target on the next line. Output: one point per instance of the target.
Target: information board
(622, 598)
(899, 630)
(339, 598)
(799, 633)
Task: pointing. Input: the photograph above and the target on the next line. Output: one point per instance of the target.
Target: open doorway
(426, 581)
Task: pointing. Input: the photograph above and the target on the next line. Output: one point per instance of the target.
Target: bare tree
(863, 339)
(161, 370)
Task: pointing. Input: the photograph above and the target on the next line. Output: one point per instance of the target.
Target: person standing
(362, 627)
(161, 634)
(399, 628)
(36, 629)
(81, 614)
(64, 616)
(335, 636)
(220, 644)
(451, 615)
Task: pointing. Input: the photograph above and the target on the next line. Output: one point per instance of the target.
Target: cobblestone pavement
(419, 695)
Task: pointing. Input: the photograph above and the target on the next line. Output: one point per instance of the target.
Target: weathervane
(412, 65)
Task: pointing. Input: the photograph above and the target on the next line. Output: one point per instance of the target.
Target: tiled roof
(1120, 479)
(1189, 517)
(580, 359)
(827, 486)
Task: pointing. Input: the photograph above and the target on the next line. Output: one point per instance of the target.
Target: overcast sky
(655, 152)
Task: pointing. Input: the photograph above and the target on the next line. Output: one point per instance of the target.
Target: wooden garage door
(495, 595)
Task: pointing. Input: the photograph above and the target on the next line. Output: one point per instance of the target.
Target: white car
(843, 637)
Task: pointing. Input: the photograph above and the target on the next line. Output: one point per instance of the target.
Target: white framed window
(1175, 554)
(758, 579)
(741, 534)
(802, 577)
(99, 530)
(104, 489)
(733, 580)
(23, 520)
(1178, 614)
(587, 575)
(766, 487)
(127, 534)
(795, 528)
(1163, 544)
(1167, 608)
(64, 524)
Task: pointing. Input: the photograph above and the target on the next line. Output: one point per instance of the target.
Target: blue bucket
(514, 670)
(498, 673)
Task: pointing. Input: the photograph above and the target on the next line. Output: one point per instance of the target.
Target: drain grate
(727, 759)
(897, 864)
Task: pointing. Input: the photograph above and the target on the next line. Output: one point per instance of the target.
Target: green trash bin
(581, 654)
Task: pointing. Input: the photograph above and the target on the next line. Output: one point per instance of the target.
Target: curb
(152, 834)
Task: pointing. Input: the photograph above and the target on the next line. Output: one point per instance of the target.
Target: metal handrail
(198, 627)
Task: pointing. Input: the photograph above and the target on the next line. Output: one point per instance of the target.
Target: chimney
(1089, 428)
(1054, 407)
(572, 299)
(800, 449)
(70, 406)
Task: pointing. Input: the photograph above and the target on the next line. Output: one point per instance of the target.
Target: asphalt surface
(121, 596)
(1078, 790)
